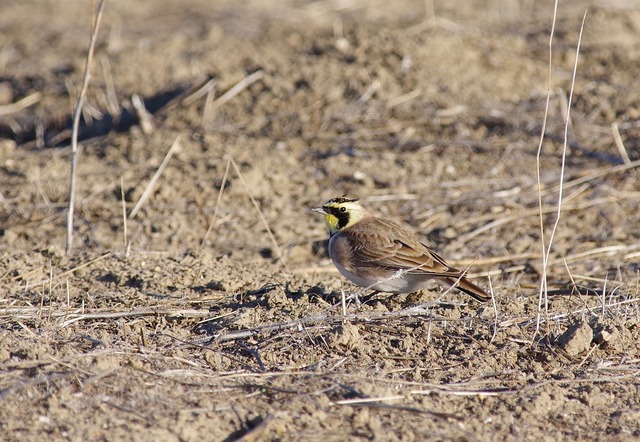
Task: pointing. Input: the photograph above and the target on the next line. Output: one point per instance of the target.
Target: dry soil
(212, 312)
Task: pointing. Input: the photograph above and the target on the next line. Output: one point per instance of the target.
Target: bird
(378, 254)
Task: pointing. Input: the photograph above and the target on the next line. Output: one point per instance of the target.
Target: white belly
(391, 282)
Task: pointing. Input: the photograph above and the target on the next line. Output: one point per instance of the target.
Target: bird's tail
(466, 286)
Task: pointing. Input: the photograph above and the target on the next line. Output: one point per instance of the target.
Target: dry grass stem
(602, 173)
(76, 124)
(371, 90)
(403, 98)
(156, 176)
(343, 300)
(27, 313)
(237, 88)
(145, 118)
(207, 112)
(495, 312)
(620, 144)
(204, 90)
(112, 97)
(495, 259)
(124, 212)
(543, 278)
(577, 276)
(23, 103)
(360, 401)
(600, 251)
(543, 299)
(215, 211)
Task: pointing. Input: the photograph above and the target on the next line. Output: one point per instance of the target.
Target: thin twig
(208, 106)
(371, 90)
(586, 357)
(343, 301)
(23, 103)
(565, 143)
(543, 279)
(494, 259)
(155, 178)
(237, 88)
(403, 98)
(112, 97)
(547, 252)
(124, 211)
(606, 251)
(76, 124)
(495, 312)
(207, 87)
(78, 315)
(620, 144)
(601, 173)
(366, 400)
(215, 211)
(145, 118)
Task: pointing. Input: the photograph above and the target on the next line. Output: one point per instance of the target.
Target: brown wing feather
(395, 248)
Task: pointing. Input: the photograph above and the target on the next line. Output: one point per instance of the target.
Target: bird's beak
(319, 210)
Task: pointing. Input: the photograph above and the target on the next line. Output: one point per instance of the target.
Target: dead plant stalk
(76, 124)
(546, 248)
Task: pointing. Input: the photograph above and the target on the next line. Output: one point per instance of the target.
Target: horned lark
(378, 254)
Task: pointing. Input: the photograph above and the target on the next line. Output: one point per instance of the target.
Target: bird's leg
(367, 298)
(356, 298)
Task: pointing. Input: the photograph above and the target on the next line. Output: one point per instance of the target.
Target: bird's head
(340, 213)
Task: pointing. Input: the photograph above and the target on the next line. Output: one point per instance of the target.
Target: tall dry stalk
(543, 299)
(76, 124)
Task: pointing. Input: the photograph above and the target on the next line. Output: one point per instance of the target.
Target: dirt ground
(211, 311)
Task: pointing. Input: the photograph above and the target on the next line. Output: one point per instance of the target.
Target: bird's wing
(386, 250)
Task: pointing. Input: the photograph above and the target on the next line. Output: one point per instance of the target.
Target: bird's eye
(343, 209)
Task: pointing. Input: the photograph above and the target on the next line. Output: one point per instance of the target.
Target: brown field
(212, 312)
